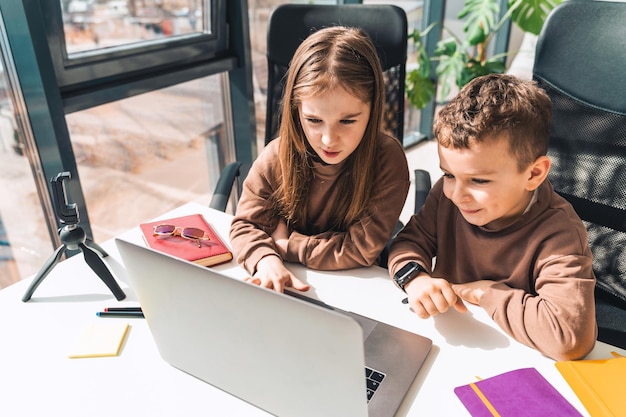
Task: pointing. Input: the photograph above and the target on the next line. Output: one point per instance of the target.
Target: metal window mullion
(49, 147)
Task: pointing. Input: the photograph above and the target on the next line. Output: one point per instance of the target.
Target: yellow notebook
(99, 339)
(599, 384)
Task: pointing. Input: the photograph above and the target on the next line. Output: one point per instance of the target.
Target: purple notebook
(523, 392)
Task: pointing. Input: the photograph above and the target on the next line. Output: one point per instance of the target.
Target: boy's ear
(538, 171)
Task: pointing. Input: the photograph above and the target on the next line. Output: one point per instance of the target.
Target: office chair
(580, 58)
(228, 179)
(290, 24)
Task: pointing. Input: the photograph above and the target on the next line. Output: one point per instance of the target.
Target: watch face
(406, 274)
(411, 266)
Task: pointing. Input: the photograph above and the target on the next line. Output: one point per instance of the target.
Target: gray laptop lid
(277, 352)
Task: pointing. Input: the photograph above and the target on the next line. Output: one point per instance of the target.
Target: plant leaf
(475, 69)
(447, 47)
(423, 62)
(531, 14)
(420, 90)
(449, 70)
(481, 19)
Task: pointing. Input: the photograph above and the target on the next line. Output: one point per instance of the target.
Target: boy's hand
(272, 274)
(472, 292)
(430, 296)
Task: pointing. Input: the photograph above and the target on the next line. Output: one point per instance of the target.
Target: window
(130, 100)
(89, 25)
(103, 43)
(142, 156)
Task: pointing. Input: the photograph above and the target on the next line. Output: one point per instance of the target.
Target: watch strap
(407, 273)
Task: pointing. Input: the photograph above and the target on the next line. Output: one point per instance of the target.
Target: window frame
(119, 64)
(92, 78)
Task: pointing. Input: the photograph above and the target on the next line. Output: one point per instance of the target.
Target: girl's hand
(272, 274)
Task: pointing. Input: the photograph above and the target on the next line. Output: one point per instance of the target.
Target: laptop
(286, 354)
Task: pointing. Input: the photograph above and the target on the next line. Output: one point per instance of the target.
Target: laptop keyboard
(373, 378)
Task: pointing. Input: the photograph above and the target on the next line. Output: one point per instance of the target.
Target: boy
(503, 238)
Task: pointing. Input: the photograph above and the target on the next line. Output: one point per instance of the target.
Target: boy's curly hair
(494, 104)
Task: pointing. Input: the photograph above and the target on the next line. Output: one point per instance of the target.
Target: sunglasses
(190, 233)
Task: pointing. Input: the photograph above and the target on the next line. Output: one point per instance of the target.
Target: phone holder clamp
(73, 237)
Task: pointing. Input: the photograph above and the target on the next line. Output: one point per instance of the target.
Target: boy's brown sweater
(544, 297)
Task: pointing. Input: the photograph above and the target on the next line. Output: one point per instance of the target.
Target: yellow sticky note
(99, 339)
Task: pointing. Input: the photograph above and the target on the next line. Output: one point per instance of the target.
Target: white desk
(37, 378)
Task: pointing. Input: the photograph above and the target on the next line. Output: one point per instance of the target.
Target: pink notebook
(523, 392)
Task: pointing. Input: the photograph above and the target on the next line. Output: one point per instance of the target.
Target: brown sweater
(319, 247)
(542, 263)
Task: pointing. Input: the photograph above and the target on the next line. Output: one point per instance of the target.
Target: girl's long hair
(330, 58)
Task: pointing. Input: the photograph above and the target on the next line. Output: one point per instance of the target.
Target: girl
(327, 193)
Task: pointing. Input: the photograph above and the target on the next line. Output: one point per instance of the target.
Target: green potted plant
(460, 60)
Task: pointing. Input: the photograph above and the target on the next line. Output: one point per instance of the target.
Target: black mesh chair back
(290, 24)
(580, 61)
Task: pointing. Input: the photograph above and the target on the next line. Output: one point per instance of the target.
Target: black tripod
(73, 237)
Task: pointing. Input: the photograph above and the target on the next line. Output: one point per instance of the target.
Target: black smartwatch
(407, 273)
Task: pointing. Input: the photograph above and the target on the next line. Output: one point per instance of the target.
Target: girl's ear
(538, 171)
